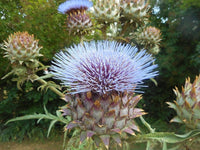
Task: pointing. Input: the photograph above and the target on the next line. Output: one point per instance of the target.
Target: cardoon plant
(103, 77)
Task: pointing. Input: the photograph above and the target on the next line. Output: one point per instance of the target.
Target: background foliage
(179, 22)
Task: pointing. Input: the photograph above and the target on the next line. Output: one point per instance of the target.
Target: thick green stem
(82, 39)
(51, 87)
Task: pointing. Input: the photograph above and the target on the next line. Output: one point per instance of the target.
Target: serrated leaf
(44, 77)
(50, 127)
(8, 74)
(39, 120)
(27, 117)
(59, 114)
(168, 137)
(45, 110)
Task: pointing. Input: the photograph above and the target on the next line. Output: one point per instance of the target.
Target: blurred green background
(179, 57)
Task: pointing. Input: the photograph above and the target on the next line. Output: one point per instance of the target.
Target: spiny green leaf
(39, 120)
(50, 126)
(168, 137)
(59, 114)
(45, 110)
(8, 74)
(26, 117)
(44, 77)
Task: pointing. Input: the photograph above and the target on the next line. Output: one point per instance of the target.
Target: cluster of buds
(128, 10)
(78, 21)
(187, 104)
(129, 16)
(149, 37)
(103, 12)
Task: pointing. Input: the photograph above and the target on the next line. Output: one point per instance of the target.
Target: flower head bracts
(21, 47)
(73, 5)
(103, 67)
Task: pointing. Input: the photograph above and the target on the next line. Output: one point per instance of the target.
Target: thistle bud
(187, 104)
(21, 47)
(107, 12)
(135, 10)
(149, 37)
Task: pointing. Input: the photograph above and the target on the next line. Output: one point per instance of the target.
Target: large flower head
(103, 67)
(103, 76)
(78, 21)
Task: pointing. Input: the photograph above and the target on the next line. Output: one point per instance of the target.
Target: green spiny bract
(135, 10)
(105, 117)
(106, 12)
(187, 104)
(21, 47)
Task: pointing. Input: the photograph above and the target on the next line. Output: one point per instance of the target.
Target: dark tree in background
(179, 22)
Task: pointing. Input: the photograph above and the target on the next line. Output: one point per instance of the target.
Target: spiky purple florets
(102, 67)
(74, 4)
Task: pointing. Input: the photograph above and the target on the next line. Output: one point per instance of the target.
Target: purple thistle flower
(73, 5)
(103, 67)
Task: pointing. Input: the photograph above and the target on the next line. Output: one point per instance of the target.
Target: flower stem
(103, 29)
(59, 93)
